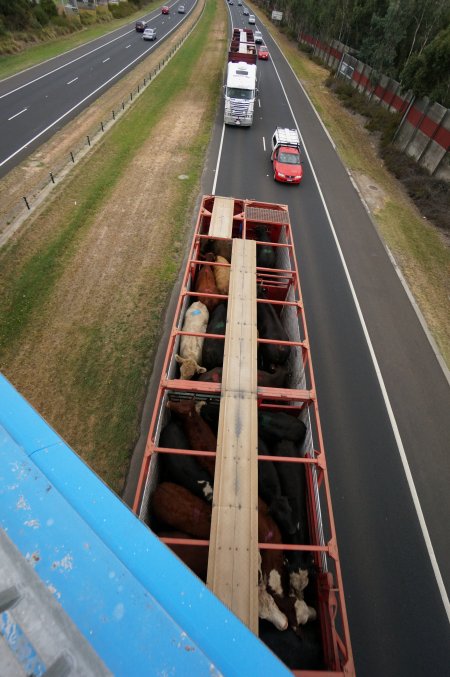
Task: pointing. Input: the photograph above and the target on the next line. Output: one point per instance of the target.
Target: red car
(287, 165)
(165, 10)
(263, 53)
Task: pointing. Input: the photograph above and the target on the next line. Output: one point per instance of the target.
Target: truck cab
(285, 156)
(240, 94)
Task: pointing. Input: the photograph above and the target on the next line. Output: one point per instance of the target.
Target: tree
(16, 14)
(428, 73)
(380, 48)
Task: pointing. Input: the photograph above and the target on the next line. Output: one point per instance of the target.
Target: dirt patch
(373, 195)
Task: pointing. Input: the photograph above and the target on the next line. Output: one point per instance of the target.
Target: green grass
(105, 375)
(14, 63)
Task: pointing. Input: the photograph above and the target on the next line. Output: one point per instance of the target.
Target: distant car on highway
(258, 37)
(165, 10)
(251, 19)
(263, 53)
(140, 26)
(149, 34)
(245, 11)
(181, 9)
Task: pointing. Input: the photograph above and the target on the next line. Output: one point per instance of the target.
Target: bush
(122, 10)
(88, 17)
(430, 195)
(307, 49)
(40, 15)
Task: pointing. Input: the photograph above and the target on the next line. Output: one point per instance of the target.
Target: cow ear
(201, 370)
(179, 359)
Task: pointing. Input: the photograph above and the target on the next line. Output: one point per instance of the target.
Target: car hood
(289, 170)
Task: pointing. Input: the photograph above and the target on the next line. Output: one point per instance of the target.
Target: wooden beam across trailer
(233, 550)
(222, 217)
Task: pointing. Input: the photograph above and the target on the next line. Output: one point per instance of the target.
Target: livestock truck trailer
(234, 476)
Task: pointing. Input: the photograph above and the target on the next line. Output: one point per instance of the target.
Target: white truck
(240, 89)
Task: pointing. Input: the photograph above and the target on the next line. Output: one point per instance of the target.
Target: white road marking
(61, 117)
(213, 192)
(105, 60)
(264, 143)
(77, 105)
(55, 70)
(19, 113)
(390, 412)
(128, 47)
(71, 81)
(259, 103)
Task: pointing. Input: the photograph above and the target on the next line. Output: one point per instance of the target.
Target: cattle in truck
(190, 353)
(270, 327)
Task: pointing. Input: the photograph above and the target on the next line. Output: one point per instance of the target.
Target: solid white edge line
(219, 156)
(61, 117)
(401, 449)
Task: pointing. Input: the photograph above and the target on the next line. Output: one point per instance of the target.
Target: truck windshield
(289, 158)
(238, 93)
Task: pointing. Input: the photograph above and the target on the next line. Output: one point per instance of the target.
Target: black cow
(269, 488)
(270, 327)
(301, 650)
(212, 354)
(181, 468)
(277, 425)
(265, 255)
(293, 485)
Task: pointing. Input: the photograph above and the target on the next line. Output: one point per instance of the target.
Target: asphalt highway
(383, 397)
(36, 103)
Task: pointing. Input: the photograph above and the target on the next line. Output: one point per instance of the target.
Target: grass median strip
(86, 286)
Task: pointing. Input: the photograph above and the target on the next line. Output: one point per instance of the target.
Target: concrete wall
(424, 133)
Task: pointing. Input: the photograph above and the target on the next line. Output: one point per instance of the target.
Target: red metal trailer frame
(283, 289)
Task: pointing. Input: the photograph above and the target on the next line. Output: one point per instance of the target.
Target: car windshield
(238, 93)
(289, 158)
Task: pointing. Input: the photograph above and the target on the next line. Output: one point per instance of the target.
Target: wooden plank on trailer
(233, 550)
(222, 217)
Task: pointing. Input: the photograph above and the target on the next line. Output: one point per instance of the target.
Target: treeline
(28, 15)
(409, 40)
(19, 15)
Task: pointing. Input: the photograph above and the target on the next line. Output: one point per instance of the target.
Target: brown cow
(179, 508)
(194, 556)
(198, 432)
(206, 283)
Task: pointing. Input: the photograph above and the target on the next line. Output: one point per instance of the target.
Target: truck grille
(239, 108)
